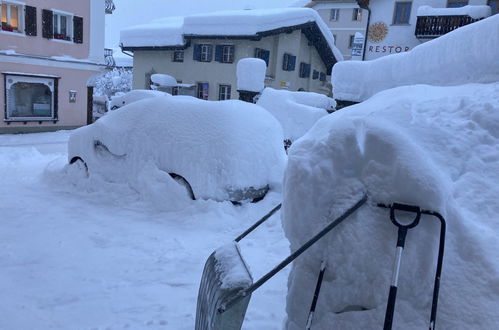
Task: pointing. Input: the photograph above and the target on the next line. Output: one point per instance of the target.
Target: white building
(393, 25)
(202, 50)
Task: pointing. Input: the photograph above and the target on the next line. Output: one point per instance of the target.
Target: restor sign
(387, 49)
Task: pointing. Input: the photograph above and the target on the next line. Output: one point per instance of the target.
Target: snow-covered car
(222, 150)
(121, 99)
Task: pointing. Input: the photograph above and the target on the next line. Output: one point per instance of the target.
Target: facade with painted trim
(49, 49)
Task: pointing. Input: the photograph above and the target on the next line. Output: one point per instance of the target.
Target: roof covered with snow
(174, 32)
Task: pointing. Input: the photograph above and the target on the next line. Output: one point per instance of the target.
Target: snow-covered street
(97, 256)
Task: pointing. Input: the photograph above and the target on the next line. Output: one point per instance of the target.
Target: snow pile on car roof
(171, 31)
(296, 111)
(466, 55)
(251, 74)
(219, 147)
(436, 147)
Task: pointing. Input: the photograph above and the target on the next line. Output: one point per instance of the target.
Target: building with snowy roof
(49, 50)
(394, 26)
(202, 50)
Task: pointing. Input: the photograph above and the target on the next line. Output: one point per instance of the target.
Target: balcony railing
(436, 26)
(109, 59)
(110, 6)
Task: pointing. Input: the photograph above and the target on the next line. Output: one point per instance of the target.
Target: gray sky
(134, 12)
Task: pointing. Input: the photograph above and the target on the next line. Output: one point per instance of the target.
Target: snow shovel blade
(225, 276)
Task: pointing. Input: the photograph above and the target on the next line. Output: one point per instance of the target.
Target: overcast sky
(134, 12)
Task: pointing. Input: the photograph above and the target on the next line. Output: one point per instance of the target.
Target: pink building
(49, 50)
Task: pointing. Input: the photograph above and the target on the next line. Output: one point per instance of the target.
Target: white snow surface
(163, 80)
(233, 272)
(217, 146)
(472, 11)
(122, 99)
(296, 111)
(466, 55)
(251, 74)
(435, 147)
(84, 253)
(171, 31)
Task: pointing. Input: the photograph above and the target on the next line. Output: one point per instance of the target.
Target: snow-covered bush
(436, 147)
(111, 82)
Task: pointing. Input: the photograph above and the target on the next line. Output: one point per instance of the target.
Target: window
(203, 89)
(30, 98)
(178, 56)
(402, 13)
(494, 6)
(304, 70)
(334, 37)
(62, 26)
(263, 54)
(351, 40)
(322, 76)
(456, 3)
(203, 53)
(224, 92)
(224, 53)
(11, 17)
(357, 14)
(288, 62)
(335, 14)
(315, 75)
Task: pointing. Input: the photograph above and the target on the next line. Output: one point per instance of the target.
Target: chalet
(202, 51)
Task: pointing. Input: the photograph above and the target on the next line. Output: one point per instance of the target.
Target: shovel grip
(390, 308)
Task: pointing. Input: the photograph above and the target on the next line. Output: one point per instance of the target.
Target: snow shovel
(226, 284)
(401, 236)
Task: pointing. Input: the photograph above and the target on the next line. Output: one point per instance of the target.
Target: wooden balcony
(428, 27)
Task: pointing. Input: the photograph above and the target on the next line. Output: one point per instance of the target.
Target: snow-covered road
(94, 255)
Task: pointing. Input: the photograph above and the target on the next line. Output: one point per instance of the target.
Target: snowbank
(475, 12)
(466, 55)
(220, 148)
(251, 74)
(436, 147)
(171, 31)
(296, 111)
(163, 80)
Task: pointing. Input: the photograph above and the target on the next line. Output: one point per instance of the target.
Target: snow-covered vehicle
(224, 150)
(121, 99)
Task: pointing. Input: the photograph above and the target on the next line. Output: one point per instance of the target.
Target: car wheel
(78, 167)
(114, 107)
(183, 182)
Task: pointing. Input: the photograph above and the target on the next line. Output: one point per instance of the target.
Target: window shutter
(315, 75)
(257, 52)
(307, 71)
(30, 21)
(292, 63)
(285, 62)
(323, 76)
(218, 53)
(47, 24)
(197, 53)
(78, 29)
(266, 56)
(210, 53)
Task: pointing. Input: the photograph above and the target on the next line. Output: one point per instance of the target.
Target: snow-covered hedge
(296, 111)
(436, 147)
(466, 55)
(112, 82)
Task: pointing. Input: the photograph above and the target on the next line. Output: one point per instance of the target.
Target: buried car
(220, 150)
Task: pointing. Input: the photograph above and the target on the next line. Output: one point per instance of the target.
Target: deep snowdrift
(296, 111)
(466, 55)
(436, 147)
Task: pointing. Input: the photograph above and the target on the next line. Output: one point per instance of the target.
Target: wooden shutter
(292, 63)
(266, 56)
(47, 24)
(197, 53)
(219, 53)
(30, 21)
(78, 29)
(315, 75)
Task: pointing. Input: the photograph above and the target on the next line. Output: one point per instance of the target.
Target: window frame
(336, 16)
(50, 81)
(351, 41)
(205, 52)
(178, 59)
(263, 54)
(394, 20)
(357, 15)
(20, 17)
(56, 19)
(224, 92)
(199, 90)
(460, 3)
(305, 70)
(228, 53)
